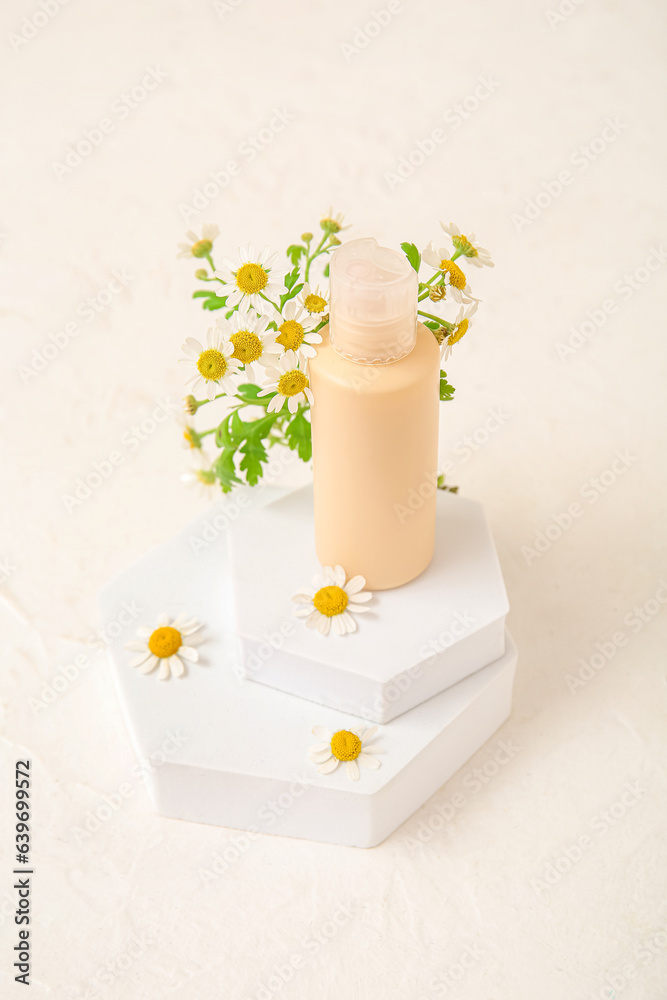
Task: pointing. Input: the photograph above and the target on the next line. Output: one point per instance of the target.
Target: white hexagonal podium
(234, 753)
(416, 641)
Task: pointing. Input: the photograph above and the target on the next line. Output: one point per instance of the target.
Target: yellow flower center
(291, 335)
(212, 364)
(315, 303)
(456, 276)
(330, 601)
(165, 641)
(458, 332)
(251, 278)
(292, 383)
(345, 745)
(247, 346)
(461, 243)
(201, 248)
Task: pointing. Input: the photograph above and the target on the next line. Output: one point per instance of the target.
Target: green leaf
(431, 324)
(290, 295)
(212, 300)
(254, 453)
(222, 435)
(326, 271)
(249, 392)
(298, 436)
(413, 255)
(238, 428)
(215, 302)
(294, 252)
(261, 428)
(225, 470)
(291, 278)
(446, 390)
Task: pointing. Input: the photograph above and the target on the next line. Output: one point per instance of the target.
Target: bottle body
(375, 457)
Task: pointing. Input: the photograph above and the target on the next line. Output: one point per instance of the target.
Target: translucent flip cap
(373, 311)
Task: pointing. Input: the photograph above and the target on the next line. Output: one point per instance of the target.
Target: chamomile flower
(190, 439)
(467, 245)
(296, 331)
(289, 382)
(253, 346)
(314, 301)
(351, 747)
(170, 645)
(461, 324)
(331, 223)
(453, 276)
(199, 246)
(200, 476)
(330, 603)
(252, 275)
(211, 369)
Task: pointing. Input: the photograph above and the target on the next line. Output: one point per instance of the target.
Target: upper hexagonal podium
(416, 641)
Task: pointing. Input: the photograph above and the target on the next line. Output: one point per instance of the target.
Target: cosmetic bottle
(375, 382)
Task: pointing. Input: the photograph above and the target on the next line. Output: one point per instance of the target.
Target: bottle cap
(373, 309)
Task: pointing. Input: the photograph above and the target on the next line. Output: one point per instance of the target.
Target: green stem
(210, 260)
(438, 319)
(316, 253)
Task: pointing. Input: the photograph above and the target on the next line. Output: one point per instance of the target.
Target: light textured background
(126, 912)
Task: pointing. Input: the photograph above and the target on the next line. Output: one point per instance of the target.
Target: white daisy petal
(190, 626)
(329, 766)
(354, 585)
(366, 761)
(163, 672)
(322, 733)
(323, 625)
(176, 665)
(368, 733)
(188, 653)
(141, 659)
(339, 576)
(320, 756)
(352, 769)
(149, 665)
(136, 645)
(317, 747)
(338, 625)
(348, 622)
(373, 749)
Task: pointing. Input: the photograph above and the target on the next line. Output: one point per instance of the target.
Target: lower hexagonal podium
(238, 751)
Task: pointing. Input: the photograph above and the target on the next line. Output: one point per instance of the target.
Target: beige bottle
(375, 382)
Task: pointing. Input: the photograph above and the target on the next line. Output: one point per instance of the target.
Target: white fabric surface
(528, 434)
